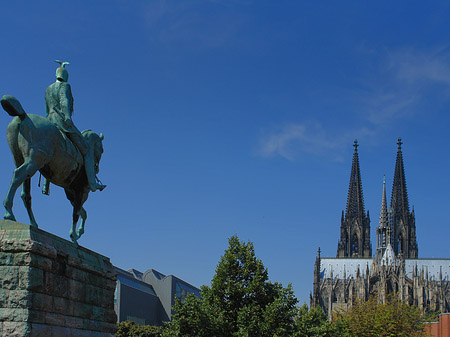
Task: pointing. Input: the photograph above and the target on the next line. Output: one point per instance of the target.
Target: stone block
(37, 316)
(55, 319)
(61, 331)
(14, 315)
(42, 302)
(74, 322)
(56, 285)
(41, 262)
(3, 298)
(16, 329)
(82, 310)
(42, 330)
(9, 277)
(31, 278)
(62, 306)
(76, 290)
(19, 298)
(51, 287)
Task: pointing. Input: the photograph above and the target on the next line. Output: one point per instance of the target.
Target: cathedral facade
(355, 274)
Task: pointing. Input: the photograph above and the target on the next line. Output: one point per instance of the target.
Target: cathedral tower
(355, 223)
(404, 222)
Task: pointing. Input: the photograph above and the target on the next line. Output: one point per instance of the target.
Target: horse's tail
(13, 107)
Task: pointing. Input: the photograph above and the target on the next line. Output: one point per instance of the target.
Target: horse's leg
(83, 214)
(75, 201)
(24, 171)
(73, 232)
(26, 197)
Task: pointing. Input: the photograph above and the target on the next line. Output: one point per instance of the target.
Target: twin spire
(397, 220)
(355, 223)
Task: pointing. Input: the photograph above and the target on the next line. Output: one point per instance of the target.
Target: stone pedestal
(51, 287)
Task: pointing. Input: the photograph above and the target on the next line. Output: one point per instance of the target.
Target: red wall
(441, 328)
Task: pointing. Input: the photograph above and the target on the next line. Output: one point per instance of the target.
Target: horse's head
(95, 142)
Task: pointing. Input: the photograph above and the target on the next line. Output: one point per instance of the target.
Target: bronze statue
(59, 110)
(55, 147)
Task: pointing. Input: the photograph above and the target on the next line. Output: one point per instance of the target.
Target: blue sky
(238, 117)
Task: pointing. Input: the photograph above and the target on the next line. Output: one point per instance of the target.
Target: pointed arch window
(354, 245)
(400, 244)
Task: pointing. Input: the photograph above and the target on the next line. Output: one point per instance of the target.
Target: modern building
(354, 274)
(147, 298)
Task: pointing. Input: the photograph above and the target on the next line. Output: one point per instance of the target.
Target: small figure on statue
(59, 109)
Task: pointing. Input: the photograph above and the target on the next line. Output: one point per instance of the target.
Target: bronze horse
(38, 145)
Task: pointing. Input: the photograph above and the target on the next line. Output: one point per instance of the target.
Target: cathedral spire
(399, 198)
(383, 213)
(355, 200)
(383, 225)
(404, 227)
(355, 223)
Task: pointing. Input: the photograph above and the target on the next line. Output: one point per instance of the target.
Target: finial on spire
(355, 144)
(399, 144)
(384, 179)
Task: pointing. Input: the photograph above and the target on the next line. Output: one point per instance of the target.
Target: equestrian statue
(56, 148)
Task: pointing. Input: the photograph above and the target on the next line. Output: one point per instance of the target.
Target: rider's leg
(89, 164)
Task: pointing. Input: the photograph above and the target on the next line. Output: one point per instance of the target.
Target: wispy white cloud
(398, 91)
(421, 68)
(294, 140)
(405, 79)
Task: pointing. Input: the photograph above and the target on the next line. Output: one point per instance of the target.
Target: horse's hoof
(9, 216)
(73, 237)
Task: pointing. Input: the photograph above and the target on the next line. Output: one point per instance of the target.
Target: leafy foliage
(190, 319)
(394, 318)
(314, 323)
(241, 301)
(130, 329)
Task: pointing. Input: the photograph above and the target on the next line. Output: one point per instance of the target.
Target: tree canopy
(241, 301)
(393, 318)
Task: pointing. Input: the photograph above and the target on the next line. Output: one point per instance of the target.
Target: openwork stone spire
(399, 199)
(355, 200)
(383, 223)
(355, 224)
(383, 239)
(404, 223)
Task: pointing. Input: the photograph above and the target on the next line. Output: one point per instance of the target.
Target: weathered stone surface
(52, 287)
(16, 329)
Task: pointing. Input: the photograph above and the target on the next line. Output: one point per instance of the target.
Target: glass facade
(182, 291)
(136, 285)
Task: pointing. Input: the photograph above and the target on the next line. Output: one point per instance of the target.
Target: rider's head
(61, 73)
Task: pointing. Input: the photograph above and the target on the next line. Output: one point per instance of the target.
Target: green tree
(191, 319)
(241, 301)
(131, 329)
(393, 318)
(314, 323)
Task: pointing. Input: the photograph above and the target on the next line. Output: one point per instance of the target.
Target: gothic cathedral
(395, 269)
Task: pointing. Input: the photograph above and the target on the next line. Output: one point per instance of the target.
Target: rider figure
(59, 109)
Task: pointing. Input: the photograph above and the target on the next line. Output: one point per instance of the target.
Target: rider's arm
(66, 102)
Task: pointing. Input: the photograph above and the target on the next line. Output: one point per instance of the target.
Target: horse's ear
(101, 136)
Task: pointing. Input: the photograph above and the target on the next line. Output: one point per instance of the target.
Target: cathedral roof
(331, 267)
